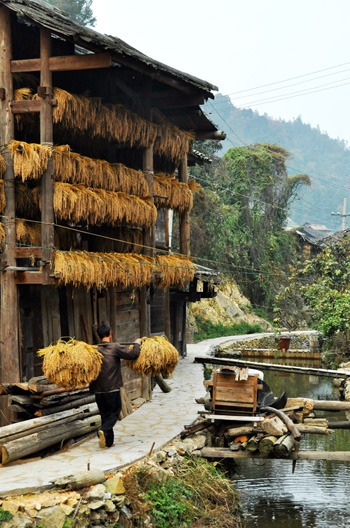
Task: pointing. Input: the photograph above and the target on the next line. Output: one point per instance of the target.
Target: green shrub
(209, 330)
(5, 516)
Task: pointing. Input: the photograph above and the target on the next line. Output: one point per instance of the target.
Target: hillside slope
(325, 160)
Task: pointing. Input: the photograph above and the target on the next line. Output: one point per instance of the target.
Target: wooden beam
(24, 107)
(224, 452)
(271, 366)
(65, 63)
(184, 217)
(9, 316)
(179, 101)
(29, 277)
(28, 252)
(46, 137)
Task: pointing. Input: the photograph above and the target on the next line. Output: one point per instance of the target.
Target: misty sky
(238, 45)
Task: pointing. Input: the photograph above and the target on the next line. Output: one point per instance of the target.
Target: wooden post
(184, 217)
(148, 234)
(9, 357)
(148, 241)
(46, 137)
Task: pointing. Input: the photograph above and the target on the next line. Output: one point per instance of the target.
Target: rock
(170, 451)
(110, 507)
(96, 505)
(158, 457)
(181, 448)
(11, 505)
(119, 501)
(96, 492)
(274, 426)
(68, 510)
(114, 485)
(53, 517)
(126, 512)
(157, 474)
(18, 521)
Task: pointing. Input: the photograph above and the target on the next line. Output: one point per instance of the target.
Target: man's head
(103, 331)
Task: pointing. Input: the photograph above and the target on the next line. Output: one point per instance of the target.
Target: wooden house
(95, 138)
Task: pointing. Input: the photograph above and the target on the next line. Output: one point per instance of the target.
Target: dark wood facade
(42, 49)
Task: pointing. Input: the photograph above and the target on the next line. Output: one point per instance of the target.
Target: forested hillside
(325, 160)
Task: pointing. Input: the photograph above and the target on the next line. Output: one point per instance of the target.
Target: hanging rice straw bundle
(71, 364)
(26, 201)
(30, 159)
(28, 233)
(2, 195)
(194, 186)
(179, 194)
(174, 271)
(81, 114)
(71, 167)
(157, 356)
(2, 235)
(2, 166)
(80, 268)
(77, 203)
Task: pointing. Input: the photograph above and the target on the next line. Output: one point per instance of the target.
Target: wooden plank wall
(49, 313)
(158, 312)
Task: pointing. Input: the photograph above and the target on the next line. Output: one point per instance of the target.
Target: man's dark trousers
(109, 405)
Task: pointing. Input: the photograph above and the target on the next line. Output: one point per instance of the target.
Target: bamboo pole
(271, 366)
(217, 452)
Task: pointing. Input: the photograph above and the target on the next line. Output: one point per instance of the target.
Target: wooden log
(252, 444)
(81, 479)
(313, 429)
(266, 444)
(90, 411)
(190, 430)
(69, 405)
(31, 425)
(291, 427)
(221, 453)
(284, 445)
(306, 404)
(339, 425)
(162, 384)
(244, 430)
(53, 435)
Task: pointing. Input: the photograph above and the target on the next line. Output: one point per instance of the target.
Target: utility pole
(343, 215)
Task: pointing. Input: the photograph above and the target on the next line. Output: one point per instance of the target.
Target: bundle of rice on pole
(157, 356)
(71, 364)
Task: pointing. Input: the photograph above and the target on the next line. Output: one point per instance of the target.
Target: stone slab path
(159, 421)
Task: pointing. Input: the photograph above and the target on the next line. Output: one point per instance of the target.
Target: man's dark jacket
(110, 376)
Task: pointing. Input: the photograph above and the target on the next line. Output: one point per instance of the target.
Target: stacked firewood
(48, 418)
(278, 434)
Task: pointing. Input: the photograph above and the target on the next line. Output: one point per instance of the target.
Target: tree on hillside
(324, 285)
(261, 193)
(78, 10)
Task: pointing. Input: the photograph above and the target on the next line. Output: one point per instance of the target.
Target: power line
(317, 178)
(289, 79)
(219, 103)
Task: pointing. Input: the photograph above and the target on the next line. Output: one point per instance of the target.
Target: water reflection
(317, 494)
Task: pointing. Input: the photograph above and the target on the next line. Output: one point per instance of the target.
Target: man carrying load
(107, 385)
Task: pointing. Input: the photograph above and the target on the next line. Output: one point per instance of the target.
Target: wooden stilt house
(94, 138)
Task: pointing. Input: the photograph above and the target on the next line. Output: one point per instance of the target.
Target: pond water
(317, 494)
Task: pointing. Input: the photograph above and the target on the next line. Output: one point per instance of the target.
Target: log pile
(277, 435)
(48, 418)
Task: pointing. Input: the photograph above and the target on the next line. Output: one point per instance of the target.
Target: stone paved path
(159, 421)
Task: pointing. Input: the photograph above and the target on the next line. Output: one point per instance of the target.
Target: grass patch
(5, 516)
(198, 495)
(209, 330)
